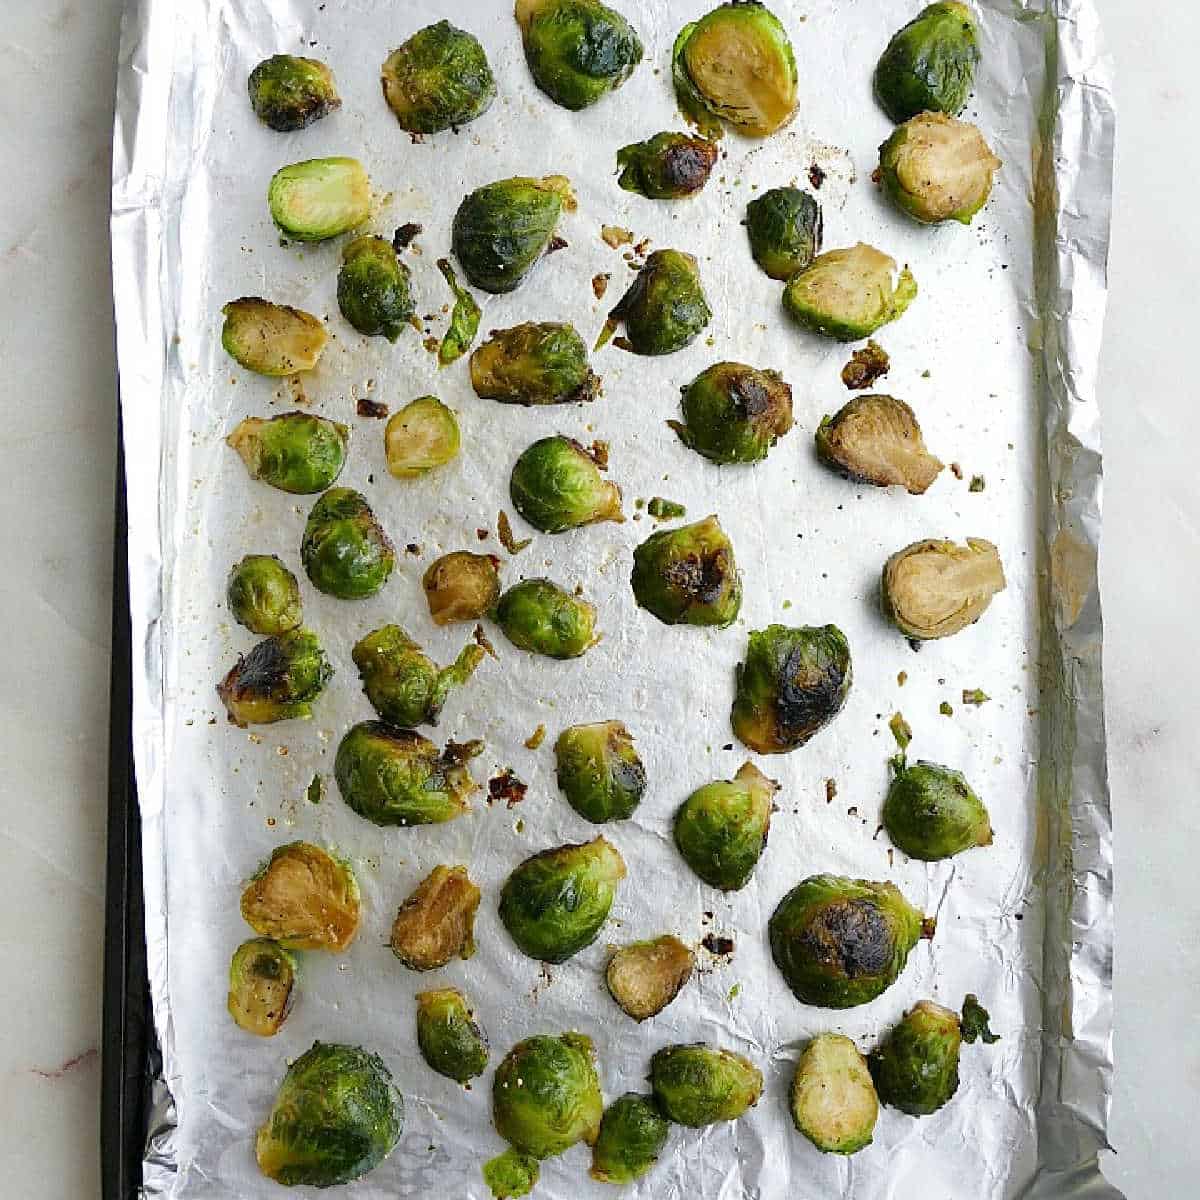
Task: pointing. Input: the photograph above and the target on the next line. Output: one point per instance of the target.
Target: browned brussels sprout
(877, 440)
(277, 681)
(931, 812)
(933, 589)
(733, 413)
(785, 227)
(437, 922)
(556, 485)
(289, 93)
(915, 1068)
(688, 576)
(345, 550)
(461, 586)
(439, 79)
(700, 1085)
(929, 66)
(271, 339)
(535, 363)
(262, 979)
(373, 288)
(668, 166)
(599, 771)
(849, 294)
(644, 977)
(664, 309)
(451, 1041)
(295, 452)
(721, 829)
(538, 616)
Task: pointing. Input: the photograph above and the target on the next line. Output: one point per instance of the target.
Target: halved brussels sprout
(374, 288)
(461, 586)
(397, 777)
(664, 309)
(877, 440)
(437, 922)
(733, 413)
(277, 681)
(344, 550)
(931, 812)
(451, 1041)
(538, 616)
(541, 362)
(501, 230)
(289, 93)
(555, 902)
(271, 339)
(644, 977)
(721, 829)
(439, 79)
(792, 683)
(511, 1175)
(304, 899)
(556, 485)
(848, 294)
(929, 65)
(935, 588)
(263, 595)
(632, 1136)
(262, 979)
(337, 1116)
(667, 166)
(320, 198)
(599, 771)
(699, 1085)
(833, 1100)
(295, 452)
(464, 320)
(785, 227)
(422, 436)
(688, 576)
(915, 1068)
(841, 942)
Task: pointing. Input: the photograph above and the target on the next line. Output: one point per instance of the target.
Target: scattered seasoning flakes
(665, 510)
(600, 284)
(536, 738)
(481, 640)
(901, 730)
(816, 176)
(315, 790)
(507, 787)
(505, 533)
(718, 945)
(615, 236)
(402, 238)
(975, 696)
(956, 470)
(946, 708)
(977, 484)
(830, 790)
(866, 366)
(371, 408)
(902, 678)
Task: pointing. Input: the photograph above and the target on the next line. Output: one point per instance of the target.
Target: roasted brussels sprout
(336, 1117)
(555, 902)
(271, 339)
(848, 294)
(374, 288)
(451, 1041)
(842, 942)
(556, 485)
(976, 1022)
(464, 319)
(785, 227)
(577, 50)
(277, 681)
(664, 309)
(599, 771)
(295, 452)
(929, 66)
(289, 93)
(687, 575)
(877, 440)
(461, 586)
(833, 1100)
(263, 595)
(318, 199)
(262, 976)
(792, 683)
(644, 977)
(422, 436)
(439, 79)
(934, 589)
(344, 550)
(303, 898)
(632, 1136)
(721, 828)
(500, 230)
(396, 777)
(733, 413)
(667, 166)
(534, 363)
(511, 1175)
(700, 1085)
(931, 812)
(915, 1068)
(437, 922)
(538, 616)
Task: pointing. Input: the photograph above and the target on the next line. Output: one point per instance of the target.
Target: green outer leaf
(464, 320)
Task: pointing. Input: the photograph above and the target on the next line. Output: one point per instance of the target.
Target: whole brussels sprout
(320, 198)
(632, 1136)
(439, 79)
(555, 902)
(577, 50)
(422, 436)
(336, 1117)
(599, 771)
(511, 1175)
(541, 362)
(833, 1100)
(263, 595)
(877, 440)
(262, 978)
(929, 66)
(289, 93)
(931, 812)
(644, 977)
(277, 681)
(451, 1041)
(699, 1085)
(792, 683)
(733, 413)
(538, 616)
(437, 922)
(916, 1067)
(271, 339)
(664, 309)
(785, 227)
(668, 166)
(934, 588)
(344, 550)
(295, 452)
(688, 576)
(464, 319)
(502, 229)
(842, 942)
(374, 288)
(556, 485)
(461, 586)
(397, 777)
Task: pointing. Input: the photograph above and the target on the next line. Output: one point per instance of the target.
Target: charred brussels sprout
(644, 977)
(320, 198)
(833, 1100)
(511, 1175)
(632, 1135)
(916, 1067)
(842, 942)
(929, 66)
(262, 977)
(263, 595)
(599, 771)
(538, 616)
(848, 294)
(422, 436)
(733, 413)
(294, 452)
(535, 363)
(785, 227)
(336, 1117)
(461, 586)
(877, 440)
(664, 309)
(450, 1040)
(554, 903)
(271, 339)
(373, 288)
(289, 93)
(687, 576)
(934, 589)
(344, 550)
(437, 922)
(277, 681)
(700, 1085)
(439, 79)
(556, 485)
(502, 229)
(931, 813)
(667, 166)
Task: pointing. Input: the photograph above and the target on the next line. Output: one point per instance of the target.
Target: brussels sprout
(277, 681)
(599, 771)
(848, 294)
(304, 899)
(344, 550)
(538, 616)
(289, 93)
(866, 365)
(502, 229)
(464, 320)
(294, 452)
(263, 595)
(422, 436)
(554, 903)
(842, 942)
(556, 485)
(933, 589)
(439, 79)
(271, 339)
(511, 1175)
(461, 586)
(577, 50)
(792, 683)
(687, 575)
(644, 977)
(700, 1085)
(929, 66)
(721, 829)
(833, 1100)
(632, 1136)
(437, 922)
(915, 1068)
(733, 413)
(262, 976)
(931, 813)
(664, 309)
(534, 363)
(318, 199)
(396, 777)
(374, 288)
(785, 227)
(336, 1117)
(667, 166)
(876, 439)
(451, 1041)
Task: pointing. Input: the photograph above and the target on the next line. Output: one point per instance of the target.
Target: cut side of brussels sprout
(915, 1068)
(320, 198)
(721, 829)
(632, 1135)
(644, 977)
(437, 922)
(262, 977)
(422, 436)
(451, 1041)
(556, 485)
(934, 589)
(833, 1100)
(688, 576)
(734, 413)
(464, 320)
(599, 771)
(263, 595)
(439, 79)
(785, 227)
(461, 586)
(929, 65)
(289, 93)
(699, 1085)
(345, 551)
(294, 452)
(538, 616)
(664, 309)
(374, 288)
(877, 440)
(931, 812)
(668, 166)
(542, 362)
(849, 294)
(511, 1175)
(271, 339)
(277, 681)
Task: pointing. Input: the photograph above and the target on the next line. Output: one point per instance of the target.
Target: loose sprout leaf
(975, 696)
(464, 320)
(976, 1022)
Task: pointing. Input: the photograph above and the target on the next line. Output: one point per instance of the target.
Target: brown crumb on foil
(600, 284)
(483, 534)
(928, 928)
(876, 175)
(505, 533)
(536, 738)
(830, 790)
(556, 243)
(482, 641)
(432, 344)
(956, 470)
(507, 787)
(816, 176)
(717, 945)
(615, 236)
(598, 453)
(902, 678)
(866, 366)
(371, 408)
(402, 238)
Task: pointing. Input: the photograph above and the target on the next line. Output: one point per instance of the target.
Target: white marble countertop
(56, 491)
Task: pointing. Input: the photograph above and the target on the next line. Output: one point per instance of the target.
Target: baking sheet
(998, 357)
